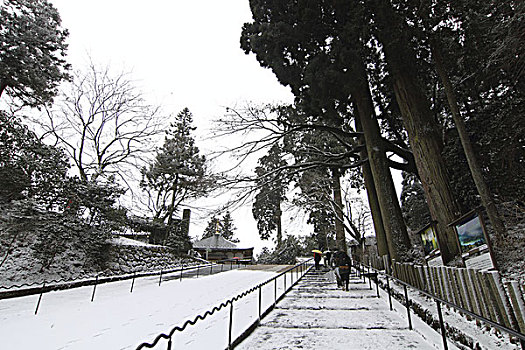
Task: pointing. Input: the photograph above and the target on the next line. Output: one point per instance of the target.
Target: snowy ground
(118, 319)
(481, 337)
(315, 314)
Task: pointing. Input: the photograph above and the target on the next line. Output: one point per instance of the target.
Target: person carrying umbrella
(317, 257)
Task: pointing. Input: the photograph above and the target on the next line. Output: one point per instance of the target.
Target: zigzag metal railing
(92, 276)
(438, 301)
(223, 305)
(62, 284)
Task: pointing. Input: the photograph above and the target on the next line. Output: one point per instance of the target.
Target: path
(317, 315)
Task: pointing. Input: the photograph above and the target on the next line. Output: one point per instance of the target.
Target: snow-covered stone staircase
(316, 314)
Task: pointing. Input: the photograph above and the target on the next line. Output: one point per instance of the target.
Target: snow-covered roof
(216, 242)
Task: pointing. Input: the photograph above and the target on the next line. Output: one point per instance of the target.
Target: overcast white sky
(182, 54)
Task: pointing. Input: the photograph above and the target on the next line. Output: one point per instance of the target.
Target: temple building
(217, 248)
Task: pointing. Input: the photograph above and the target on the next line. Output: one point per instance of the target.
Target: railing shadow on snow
(300, 270)
(372, 274)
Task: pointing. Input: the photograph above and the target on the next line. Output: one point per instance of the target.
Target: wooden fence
(480, 292)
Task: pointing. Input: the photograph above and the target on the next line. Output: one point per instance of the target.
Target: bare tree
(103, 123)
(261, 127)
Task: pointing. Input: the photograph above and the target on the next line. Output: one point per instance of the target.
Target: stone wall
(21, 268)
(127, 259)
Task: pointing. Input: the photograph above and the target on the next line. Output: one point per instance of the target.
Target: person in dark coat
(327, 259)
(317, 259)
(342, 264)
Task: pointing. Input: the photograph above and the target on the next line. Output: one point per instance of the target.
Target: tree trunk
(396, 233)
(340, 239)
(278, 221)
(171, 208)
(3, 86)
(475, 169)
(373, 200)
(422, 130)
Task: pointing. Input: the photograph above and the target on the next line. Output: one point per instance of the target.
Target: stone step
(316, 314)
(335, 319)
(313, 302)
(333, 339)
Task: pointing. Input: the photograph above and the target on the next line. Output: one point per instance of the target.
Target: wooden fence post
(502, 301)
(469, 291)
(489, 294)
(518, 304)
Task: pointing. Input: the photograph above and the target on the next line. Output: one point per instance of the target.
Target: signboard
(473, 241)
(430, 245)
(470, 233)
(428, 237)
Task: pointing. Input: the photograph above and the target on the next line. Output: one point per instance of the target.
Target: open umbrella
(317, 251)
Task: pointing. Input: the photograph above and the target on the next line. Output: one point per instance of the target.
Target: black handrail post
(222, 266)
(369, 280)
(275, 292)
(160, 277)
(40, 297)
(389, 294)
(442, 325)
(284, 282)
(260, 297)
(363, 272)
(231, 326)
(169, 344)
(198, 267)
(407, 301)
(94, 289)
(181, 269)
(377, 285)
(132, 282)
(211, 268)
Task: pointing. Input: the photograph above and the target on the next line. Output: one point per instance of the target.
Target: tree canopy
(32, 51)
(178, 171)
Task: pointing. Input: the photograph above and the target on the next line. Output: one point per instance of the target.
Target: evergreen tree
(41, 204)
(29, 169)
(272, 185)
(178, 171)
(317, 49)
(32, 54)
(212, 228)
(413, 203)
(227, 228)
(286, 253)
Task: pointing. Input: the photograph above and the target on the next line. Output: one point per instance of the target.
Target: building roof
(216, 242)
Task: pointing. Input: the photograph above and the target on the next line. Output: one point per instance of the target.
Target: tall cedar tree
(212, 228)
(316, 50)
(223, 226)
(272, 184)
(33, 50)
(228, 228)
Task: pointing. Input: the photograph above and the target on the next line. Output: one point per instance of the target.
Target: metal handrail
(440, 301)
(218, 308)
(89, 279)
(97, 280)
